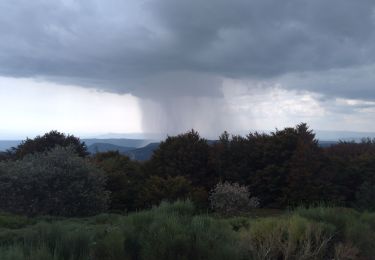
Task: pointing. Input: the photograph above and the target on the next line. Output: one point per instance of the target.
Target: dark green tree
(353, 164)
(184, 155)
(309, 178)
(125, 180)
(46, 143)
(57, 183)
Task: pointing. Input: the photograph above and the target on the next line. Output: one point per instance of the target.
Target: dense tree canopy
(284, 168)
(58, 183)
(47, 142)
(124, 180)
(183, 155)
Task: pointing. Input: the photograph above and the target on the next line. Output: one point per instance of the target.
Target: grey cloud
(158, 48)
(355, 82)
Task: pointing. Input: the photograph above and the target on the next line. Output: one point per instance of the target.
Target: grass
(176, 231)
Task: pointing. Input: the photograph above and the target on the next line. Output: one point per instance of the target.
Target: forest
(259, 196)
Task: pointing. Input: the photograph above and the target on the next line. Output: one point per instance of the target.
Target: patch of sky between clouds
(29, 107)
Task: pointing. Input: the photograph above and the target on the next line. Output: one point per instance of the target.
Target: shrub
(12, 253)
(55, 183)
(157, 189)
(14, 222)
(351, 227)
(365, 197)
(110, 246)
(346, 252)
(287, 238)
(227, 198)
(124, 180)
(50, 241)
(172, 232)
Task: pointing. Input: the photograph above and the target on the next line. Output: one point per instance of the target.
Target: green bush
(14, 221)
(157, 189)
(355, 230)
(171, 232)
(56, 183)
(59, 239)
(56, 241)
(365, 197)
(287, 238)
(175, 231)
(12, 253)
(110, 246)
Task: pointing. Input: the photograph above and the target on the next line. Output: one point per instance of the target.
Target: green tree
(365, 196)
(353, 164)
(308, 178)
(183, 155)
(47, 142)
(58, 183)
(271, 154)
(125, 179)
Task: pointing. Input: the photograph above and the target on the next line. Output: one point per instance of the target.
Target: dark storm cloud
(181, 48)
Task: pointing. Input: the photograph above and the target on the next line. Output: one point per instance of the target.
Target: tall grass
(287, 238)
(172, 232)
(352, 229)
(175, 231)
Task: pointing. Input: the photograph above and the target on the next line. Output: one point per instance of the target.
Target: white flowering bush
(232, 198)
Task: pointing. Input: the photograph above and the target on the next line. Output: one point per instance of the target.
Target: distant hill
(104, 144)
(144, 153)
(139, 154)
(327, 143)
(105, 147)
(7, 144)
(343, 135)
(124, 142)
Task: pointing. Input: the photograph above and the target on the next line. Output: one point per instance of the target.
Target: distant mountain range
(342, 135)
(124, 142)
(105, 147)
(139, 154)
(137, 149)
(7, 144)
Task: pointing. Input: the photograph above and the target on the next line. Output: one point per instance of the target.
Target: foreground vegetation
(178, 231)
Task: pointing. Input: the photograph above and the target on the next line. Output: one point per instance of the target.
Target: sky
(90, 67)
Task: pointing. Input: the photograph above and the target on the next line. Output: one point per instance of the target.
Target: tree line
(282, 169)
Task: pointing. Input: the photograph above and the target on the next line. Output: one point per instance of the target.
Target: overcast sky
(89, 67)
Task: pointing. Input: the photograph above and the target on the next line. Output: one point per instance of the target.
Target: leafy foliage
(365, 197)
(125, 179)
(157, 189)
(175, 231)
(284, 168)
(183, 155)
(55, 183)
(46, 143)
